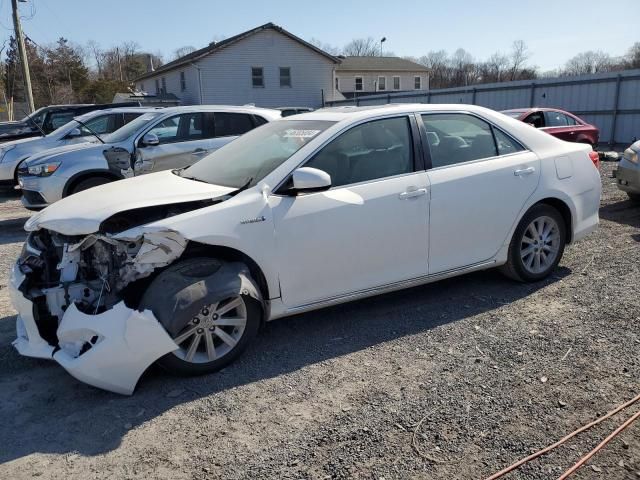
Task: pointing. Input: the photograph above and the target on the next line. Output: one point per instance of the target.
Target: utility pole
(22, 51)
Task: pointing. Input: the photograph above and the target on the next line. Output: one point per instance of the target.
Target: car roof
(222, 108)
(337, 114)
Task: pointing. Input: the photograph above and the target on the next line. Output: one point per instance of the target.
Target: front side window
(358, 84)
(396, 83)
(130, 116)
(373, 150)
(256, 154)
(257, 77)
(131, 128)
(536, 119)
(100, 125)
(229, 124)
(183, 82)
(285, 76)
(58, 119)
(417, 83)
(166, 130)
(382, 83)
(457, 138)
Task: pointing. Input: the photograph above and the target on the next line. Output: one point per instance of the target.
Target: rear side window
(505, 143)
(228, 124)
(130, 116)
(373, 150)
(558, 119)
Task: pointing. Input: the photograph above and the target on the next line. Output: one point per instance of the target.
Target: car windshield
(513, 113)
(130, 128)
(254, 155)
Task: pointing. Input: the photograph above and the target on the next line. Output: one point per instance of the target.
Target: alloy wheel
(540, 244)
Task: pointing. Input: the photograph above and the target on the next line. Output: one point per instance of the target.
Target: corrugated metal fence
(611, 101)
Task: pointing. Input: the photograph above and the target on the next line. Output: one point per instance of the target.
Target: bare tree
(438, 64)
(495, 69)
(327, 47)
(362, 47)
(97, 53)
(519, 56)
(589, 62)
(182, 51)
(633, 56)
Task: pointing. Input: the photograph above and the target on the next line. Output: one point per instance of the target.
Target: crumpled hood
(83, 212)
(51, 154)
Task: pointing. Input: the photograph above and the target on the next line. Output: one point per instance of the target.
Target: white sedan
(181, 267)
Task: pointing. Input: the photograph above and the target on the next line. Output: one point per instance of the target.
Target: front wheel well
(71, 184)
(564, 210)
(196, 249)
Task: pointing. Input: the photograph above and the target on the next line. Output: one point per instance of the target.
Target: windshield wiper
(90, 131)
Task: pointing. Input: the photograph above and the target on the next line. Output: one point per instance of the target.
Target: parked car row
(109, 145)
(47, 119)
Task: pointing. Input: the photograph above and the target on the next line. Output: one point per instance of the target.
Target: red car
(560, 124)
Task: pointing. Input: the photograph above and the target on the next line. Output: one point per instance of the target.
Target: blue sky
(553, 30)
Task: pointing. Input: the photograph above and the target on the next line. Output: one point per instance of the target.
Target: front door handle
(524, 171)
(418, 192)
(199, 151)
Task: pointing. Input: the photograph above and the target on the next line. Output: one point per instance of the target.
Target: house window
(164, 85)
(257, 77)
(285, 76)
(157, 86)
(358, 84)
(337, 83)
(382, 83)
(396, 83)
(417, 83)
(183, 82)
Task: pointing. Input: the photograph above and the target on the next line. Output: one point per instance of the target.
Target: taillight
(595, 158)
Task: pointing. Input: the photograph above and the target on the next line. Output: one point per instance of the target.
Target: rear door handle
(199, 151)
(524, 171)
(418, 192)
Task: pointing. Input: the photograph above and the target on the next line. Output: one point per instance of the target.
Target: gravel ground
(478, 371)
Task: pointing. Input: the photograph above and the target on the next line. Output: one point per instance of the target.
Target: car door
(480, 179)
(183, 140)
(369, 230)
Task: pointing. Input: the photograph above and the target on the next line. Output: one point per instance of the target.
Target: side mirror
(150, 140)
(74, 133)
(307, 179)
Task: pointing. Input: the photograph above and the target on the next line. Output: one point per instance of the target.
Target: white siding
(370, 79)
(226, 74)
(190, 96)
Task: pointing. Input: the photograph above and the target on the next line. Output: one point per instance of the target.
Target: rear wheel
(88, 183)
(634, 197)
(537, 245)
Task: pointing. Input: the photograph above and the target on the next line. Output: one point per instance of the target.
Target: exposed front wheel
(537, 245)
(210, 330)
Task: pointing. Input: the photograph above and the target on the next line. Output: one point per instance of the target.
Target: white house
(366, 75)
(266, 66)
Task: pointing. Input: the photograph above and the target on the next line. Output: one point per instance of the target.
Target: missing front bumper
(109, 351)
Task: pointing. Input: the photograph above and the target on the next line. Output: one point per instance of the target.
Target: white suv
(183, 266)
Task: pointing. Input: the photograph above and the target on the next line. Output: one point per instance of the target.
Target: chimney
(150, 63)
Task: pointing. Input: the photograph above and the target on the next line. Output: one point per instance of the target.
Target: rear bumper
(628, 176)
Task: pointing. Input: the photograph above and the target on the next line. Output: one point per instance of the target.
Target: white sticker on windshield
(292, 133)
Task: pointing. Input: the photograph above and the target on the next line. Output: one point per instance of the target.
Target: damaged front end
(71, 294)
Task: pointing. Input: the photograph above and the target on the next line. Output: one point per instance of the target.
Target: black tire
(168, 289)
(634, 197)
(515, 267)
(88, 183)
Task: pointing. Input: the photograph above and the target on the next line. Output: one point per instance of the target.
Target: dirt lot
(482, 370)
